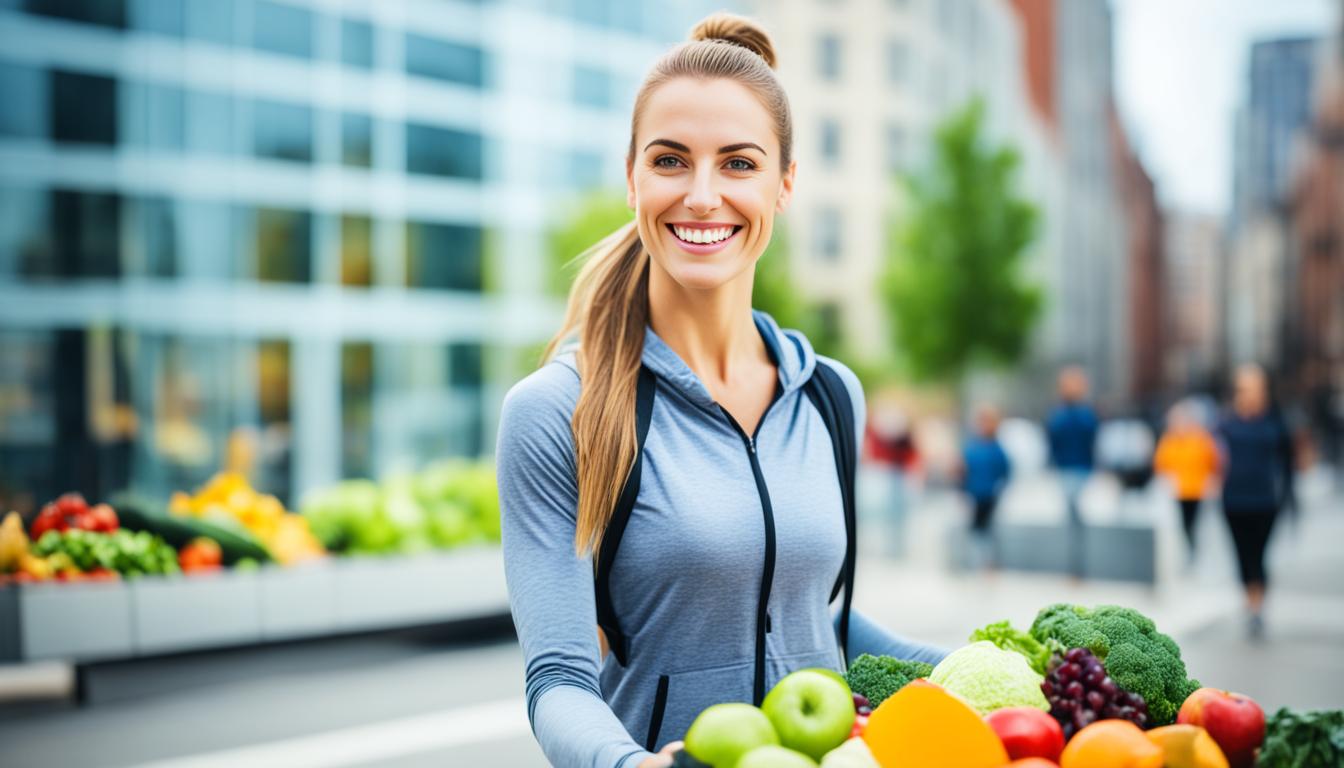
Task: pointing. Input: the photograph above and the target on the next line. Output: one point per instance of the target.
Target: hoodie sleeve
(550, 587)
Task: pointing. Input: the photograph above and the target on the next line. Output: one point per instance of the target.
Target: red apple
(1236, 722)
(1027, 732)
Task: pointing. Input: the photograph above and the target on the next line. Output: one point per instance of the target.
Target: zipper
(768, 572)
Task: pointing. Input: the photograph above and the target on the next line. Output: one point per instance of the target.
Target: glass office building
(306, 237)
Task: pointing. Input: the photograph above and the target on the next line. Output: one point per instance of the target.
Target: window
(283, 246)
(830, 141)
(592, 87)
(357, 409)
(83, 108)
(356, 140)
(357, 43)
(898, 62)
(356, 250)
(25, 93)
(443, 152)
(104, 13)
(86, 231)
(282, 131)
(157, 16)
(152, 245)
(442, 60)
(828, 57)
(895, 148)
(209, 123)
(283, 29)
(25, 232)
(465, 365)
(154, 116)
(212, 228)
(828, 234)
(443, 256)
(211, 21)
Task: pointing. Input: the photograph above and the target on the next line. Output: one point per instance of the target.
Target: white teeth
(703, 235)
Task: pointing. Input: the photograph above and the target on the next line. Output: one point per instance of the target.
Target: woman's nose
(702, 197)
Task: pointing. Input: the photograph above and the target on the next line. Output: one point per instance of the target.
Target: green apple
(771, 756)
(812, 712)
(724, 732)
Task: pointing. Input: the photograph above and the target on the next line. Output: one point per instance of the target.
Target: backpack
(830, 397)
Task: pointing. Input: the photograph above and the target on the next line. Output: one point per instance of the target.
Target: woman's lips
(704, 248)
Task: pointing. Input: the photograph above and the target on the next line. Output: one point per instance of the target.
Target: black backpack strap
(831, 398)
(611, 539)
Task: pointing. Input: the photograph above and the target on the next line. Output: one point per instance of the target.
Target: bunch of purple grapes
(1080, 693)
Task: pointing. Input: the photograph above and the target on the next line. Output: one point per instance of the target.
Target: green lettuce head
(989, 678)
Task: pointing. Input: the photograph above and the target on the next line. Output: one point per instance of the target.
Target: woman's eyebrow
(722, 150)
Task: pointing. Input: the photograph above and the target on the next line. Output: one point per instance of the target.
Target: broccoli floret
(1136, 656)
(878, 677)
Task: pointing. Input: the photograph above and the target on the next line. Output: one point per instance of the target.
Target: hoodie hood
(790, 350)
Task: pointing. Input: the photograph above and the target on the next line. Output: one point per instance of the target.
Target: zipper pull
(751, 445)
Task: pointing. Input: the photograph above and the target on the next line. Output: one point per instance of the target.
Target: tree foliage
(953, 284)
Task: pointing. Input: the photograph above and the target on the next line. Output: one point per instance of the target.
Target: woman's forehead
(705, 113)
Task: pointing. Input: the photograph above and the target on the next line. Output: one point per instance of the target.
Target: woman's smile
(703, 237)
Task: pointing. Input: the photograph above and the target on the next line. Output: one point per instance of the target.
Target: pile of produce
(447, 505)
(71, 541)
(230, 502)
(1084, 688)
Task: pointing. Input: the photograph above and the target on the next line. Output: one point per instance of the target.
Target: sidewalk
(1298, 663)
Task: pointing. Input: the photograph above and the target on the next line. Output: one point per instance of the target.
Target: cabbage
(989, 678)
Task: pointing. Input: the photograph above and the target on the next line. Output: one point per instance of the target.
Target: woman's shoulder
(548, 393)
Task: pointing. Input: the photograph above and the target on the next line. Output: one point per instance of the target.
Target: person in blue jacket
(1071, 430)
(724, 575)
(1257, 481)
(985, 473)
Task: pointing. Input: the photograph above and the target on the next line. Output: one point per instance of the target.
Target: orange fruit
(1111, 744)
(1187, 746)
(1031, 762)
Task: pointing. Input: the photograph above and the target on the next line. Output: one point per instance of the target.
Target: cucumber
(137, 515)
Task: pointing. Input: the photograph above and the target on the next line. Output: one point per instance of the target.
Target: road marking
(368, 743)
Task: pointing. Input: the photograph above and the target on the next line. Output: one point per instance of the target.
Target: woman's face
(706, 180)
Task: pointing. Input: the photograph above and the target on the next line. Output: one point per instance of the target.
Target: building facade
(310, 229)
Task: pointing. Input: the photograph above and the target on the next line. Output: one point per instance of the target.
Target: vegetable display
(1303, 739)
(1137, 657)
(989, 678)
(127, 553)
(229, 501)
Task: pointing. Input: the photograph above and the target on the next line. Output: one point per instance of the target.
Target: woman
(724, 574)
(1188, 458)
(1257, 483)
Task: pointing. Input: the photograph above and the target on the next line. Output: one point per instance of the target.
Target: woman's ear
(786, 187)
(630, 185)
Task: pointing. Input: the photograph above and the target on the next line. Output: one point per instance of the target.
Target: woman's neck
(712, 331)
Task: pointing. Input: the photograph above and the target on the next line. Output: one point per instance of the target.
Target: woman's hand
(664, 757)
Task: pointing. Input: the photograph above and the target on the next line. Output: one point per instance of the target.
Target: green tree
(953, 286)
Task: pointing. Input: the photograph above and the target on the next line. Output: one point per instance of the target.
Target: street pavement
(439, 698)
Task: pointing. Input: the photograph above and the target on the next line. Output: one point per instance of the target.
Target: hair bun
(731, 28)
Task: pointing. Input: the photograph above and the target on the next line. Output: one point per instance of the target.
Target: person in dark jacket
(985, 474)
(1257, 483)
(1072, 432)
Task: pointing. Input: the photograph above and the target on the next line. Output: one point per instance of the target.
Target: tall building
(1070, 81)
(316, 227)
(1148, 332)
(1271, 132)
(1193, 257)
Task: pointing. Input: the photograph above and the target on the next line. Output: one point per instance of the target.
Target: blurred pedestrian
(1072, 431)
(1188, 458)
(985, 473)
(1257, 483)
(889, 442)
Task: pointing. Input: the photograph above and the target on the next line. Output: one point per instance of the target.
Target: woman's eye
(667, 161)
(741, 164)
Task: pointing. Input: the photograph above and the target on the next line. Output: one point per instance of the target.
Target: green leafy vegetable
(878, 677)
(1002, 634)
(1303, 740)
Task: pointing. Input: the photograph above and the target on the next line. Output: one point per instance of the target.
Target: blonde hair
(609, 301)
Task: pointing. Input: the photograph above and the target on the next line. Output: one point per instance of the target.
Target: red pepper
(72, 511)
(101, 518)
(202, 554)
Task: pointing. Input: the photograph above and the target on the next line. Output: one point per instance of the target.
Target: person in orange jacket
(1188, 457)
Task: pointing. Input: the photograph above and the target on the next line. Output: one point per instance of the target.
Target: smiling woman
(680, 467)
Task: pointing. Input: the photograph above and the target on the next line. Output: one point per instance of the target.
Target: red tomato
(1027, 732)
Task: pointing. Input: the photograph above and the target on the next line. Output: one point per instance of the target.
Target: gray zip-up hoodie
(686, 583)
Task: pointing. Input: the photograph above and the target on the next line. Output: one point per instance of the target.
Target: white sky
(1180, 70)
